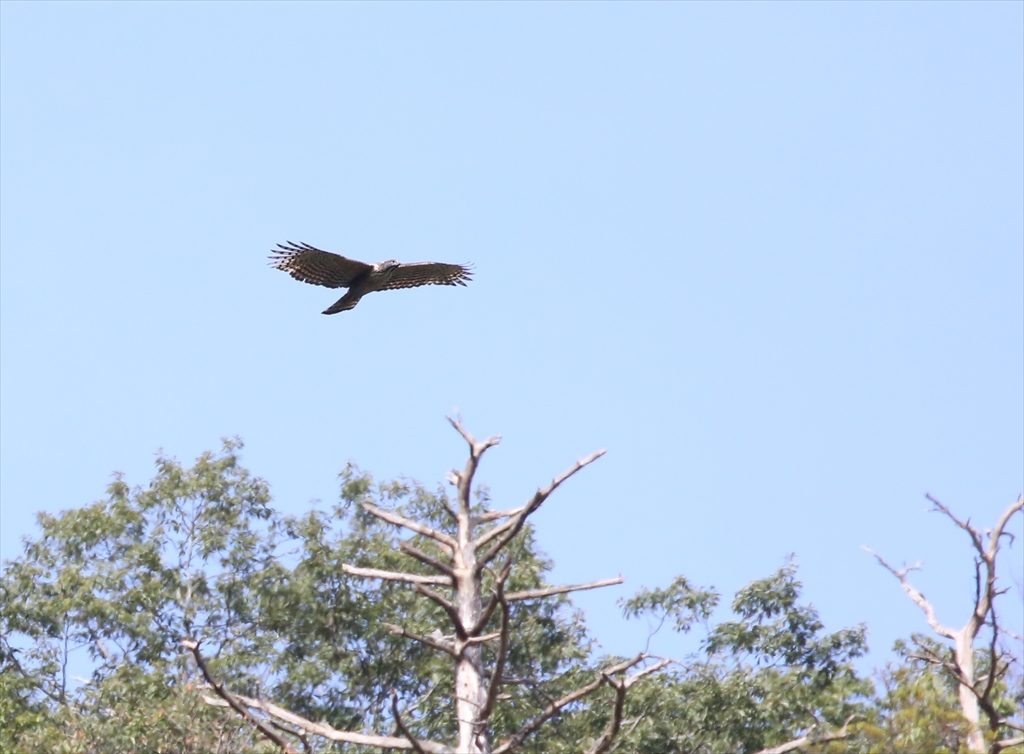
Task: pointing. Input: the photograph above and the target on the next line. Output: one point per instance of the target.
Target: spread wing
(429, 273)
(311, 265)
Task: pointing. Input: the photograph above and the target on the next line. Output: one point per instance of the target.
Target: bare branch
(393, 518)
(605, 740)
(976, 539)
(193, 647)
(662, 663)
(434, 563)
(440, 645)
(483, 518)
(492, 602)
(538, 499)
(495, 531)
(812, 738)
(1005, 743)
(499, 663)
(476, 448)
(530, 594)
(329, 732)
(916, 596)
(447, 606)
(464, 479)
(408, 578)
(994, 542)
(552, 709)
(401, 726)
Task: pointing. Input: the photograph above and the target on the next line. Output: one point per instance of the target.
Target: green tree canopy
(94, 611)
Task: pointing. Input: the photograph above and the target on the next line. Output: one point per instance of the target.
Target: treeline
(190, 616)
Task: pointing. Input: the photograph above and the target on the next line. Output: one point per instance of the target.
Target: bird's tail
(343, 304)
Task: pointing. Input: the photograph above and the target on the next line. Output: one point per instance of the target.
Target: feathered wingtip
(467, 273)
(287, 250)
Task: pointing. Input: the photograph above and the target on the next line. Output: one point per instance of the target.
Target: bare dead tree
(975, 692)
(457, 587)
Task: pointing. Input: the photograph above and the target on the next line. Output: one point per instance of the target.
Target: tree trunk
(968, 701)
(470, 689)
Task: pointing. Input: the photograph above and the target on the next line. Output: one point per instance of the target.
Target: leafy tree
(280, 609)
(758, 681)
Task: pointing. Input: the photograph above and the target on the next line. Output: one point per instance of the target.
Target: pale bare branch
(662, 663)
(496, 531)
(812, 738)
(538, 499)
(329, 732)
(530, 594)
(483, 518)
(1005, 743)
(976, 539)
(427, 640)
(393, 518)
(408, 578)
(476, 448)
(916, 596)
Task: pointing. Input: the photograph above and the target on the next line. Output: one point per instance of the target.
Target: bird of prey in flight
(311, 265)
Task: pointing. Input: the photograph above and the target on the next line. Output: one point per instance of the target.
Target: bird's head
(387, 265)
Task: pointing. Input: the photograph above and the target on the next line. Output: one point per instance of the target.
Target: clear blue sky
(770, 256)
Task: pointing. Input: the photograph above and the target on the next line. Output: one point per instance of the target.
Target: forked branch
(916, 596)
(554, 707)
(513, 526)
(242, 704)
(445, 605)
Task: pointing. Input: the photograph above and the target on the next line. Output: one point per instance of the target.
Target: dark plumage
(311, 265)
